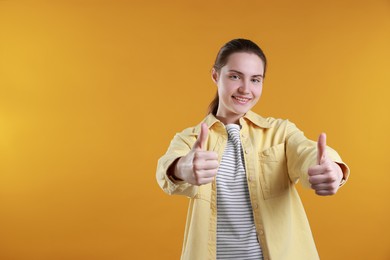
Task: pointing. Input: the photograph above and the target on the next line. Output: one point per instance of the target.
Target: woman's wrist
(173, 170)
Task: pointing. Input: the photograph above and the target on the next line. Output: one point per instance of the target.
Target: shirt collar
(256, 119)
(210, 120)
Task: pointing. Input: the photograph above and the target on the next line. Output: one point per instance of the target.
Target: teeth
(241, 99)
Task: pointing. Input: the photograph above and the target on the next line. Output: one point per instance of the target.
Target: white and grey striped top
(236, 232)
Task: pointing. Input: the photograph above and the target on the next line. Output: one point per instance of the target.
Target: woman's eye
(256, 81)
(234, 77)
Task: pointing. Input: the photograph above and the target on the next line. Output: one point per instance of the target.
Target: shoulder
(209, 120)
(189, 131)
(279, 122)
(192, 131)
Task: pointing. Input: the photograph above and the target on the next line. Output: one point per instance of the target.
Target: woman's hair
(234, 46)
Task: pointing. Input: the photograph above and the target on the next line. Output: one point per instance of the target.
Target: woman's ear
(214, 75)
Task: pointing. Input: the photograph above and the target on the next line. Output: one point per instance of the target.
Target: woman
(239, 170)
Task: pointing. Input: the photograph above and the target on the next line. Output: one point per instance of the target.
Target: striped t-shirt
(236, 232)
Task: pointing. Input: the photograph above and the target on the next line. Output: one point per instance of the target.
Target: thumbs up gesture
(199, 166)
(325, 177)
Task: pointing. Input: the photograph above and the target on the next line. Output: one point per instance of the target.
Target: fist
(326, 176)
(199, 166)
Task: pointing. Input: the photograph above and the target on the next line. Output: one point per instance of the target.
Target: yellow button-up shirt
(276, 155)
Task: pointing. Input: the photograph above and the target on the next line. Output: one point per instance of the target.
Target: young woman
(239, 170)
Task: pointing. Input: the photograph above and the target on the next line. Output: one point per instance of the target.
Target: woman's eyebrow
(239, 72)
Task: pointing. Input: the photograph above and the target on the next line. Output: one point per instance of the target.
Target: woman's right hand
(199, 166)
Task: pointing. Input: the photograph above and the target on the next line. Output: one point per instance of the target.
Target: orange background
(91, 93)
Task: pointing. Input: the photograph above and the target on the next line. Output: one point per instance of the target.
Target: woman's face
(239, 83)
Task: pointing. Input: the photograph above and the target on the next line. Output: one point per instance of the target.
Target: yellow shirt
(276, 155)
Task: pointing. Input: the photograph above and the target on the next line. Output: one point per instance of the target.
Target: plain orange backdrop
(91, 93)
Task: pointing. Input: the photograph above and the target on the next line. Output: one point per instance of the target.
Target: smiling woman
(240, 83)
(234, 48)
(239, 169)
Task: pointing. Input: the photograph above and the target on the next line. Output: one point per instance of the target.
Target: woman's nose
(244, 88)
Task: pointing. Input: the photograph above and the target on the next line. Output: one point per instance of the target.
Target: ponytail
(213, 107)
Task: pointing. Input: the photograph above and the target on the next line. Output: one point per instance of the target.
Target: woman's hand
(199, 166)
(325, 178)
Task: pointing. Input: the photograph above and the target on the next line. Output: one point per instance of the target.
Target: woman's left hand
(325, 177)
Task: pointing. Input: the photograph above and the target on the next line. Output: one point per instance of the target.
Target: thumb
(202, 137)
(321, 148)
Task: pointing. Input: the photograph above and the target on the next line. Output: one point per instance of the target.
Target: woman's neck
(228, 119)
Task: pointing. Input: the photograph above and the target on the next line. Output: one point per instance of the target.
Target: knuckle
(330, 179)
(196, 155)
(328, 168)
(212, 155)
(196, 165)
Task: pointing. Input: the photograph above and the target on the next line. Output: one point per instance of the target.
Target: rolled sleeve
(178, 148)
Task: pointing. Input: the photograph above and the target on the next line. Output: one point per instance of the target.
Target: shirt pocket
(274, 178)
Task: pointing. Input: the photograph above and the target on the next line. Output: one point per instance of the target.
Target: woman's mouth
(241, 100)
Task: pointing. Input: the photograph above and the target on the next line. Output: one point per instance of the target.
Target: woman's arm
(302, 154)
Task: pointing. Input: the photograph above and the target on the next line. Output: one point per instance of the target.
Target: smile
(242, 100)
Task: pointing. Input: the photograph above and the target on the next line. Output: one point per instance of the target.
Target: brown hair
(233, 46)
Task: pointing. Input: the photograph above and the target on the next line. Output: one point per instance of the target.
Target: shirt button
(261, 232)
(255, 206)
(250, 178)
